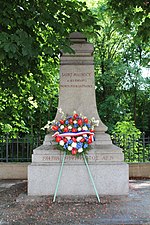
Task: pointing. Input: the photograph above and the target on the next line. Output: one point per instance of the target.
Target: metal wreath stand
(89, 172)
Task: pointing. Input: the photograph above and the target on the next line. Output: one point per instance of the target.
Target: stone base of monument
(109, 172)
(110, 179)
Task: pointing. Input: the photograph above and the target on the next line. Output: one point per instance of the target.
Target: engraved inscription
(71, 75)
(76, 86)
(51, 158)
(73, 158)
(105, 157)
(76, 80)
(91, 157)
(80, 158)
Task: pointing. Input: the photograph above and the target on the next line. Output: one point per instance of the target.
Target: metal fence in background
(135, 150)
(18, 149)
(21, 149)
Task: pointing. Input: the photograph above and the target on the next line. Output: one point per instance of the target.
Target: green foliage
(109, 67)
(34, 102)
(132, 17)
(119, 82)
(32, 33)
(127, 136)
(126, 128)
(6, 128)
(38, 29)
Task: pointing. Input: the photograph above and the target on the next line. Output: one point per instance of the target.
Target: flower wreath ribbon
(74, 134)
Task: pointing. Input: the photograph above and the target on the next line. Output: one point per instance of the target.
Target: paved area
(17, 208)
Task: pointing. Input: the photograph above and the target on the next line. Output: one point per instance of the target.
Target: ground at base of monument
(16, 207)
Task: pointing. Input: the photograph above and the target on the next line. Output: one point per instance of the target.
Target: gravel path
(17, 208)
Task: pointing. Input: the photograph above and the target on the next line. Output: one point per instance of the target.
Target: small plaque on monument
(77, 93)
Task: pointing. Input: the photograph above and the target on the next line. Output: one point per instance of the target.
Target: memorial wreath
(73, 134)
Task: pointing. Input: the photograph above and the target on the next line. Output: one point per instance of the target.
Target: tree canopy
(31, 30)
(119, 59)
(133, 15)
(32, 34)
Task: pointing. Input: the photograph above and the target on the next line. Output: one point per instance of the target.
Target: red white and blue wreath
(73, 134)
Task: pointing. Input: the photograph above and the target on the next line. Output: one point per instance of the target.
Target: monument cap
(77, 37)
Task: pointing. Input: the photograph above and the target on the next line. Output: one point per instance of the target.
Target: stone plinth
(109, 171)
(77, 93)
(110, 178)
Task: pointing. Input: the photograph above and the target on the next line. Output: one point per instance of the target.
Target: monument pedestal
(110, 174)
(77, 92)
(110, 179)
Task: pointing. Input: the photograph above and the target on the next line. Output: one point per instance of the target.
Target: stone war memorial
(105, 160)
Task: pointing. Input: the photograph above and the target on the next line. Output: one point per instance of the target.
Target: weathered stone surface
(77, 93)
(49, 158)
(77, 84)
(110, 179)
(47, 154)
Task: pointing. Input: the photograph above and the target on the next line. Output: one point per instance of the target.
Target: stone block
(110, 179)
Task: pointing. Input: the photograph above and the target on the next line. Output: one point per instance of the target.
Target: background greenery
(32, 33)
